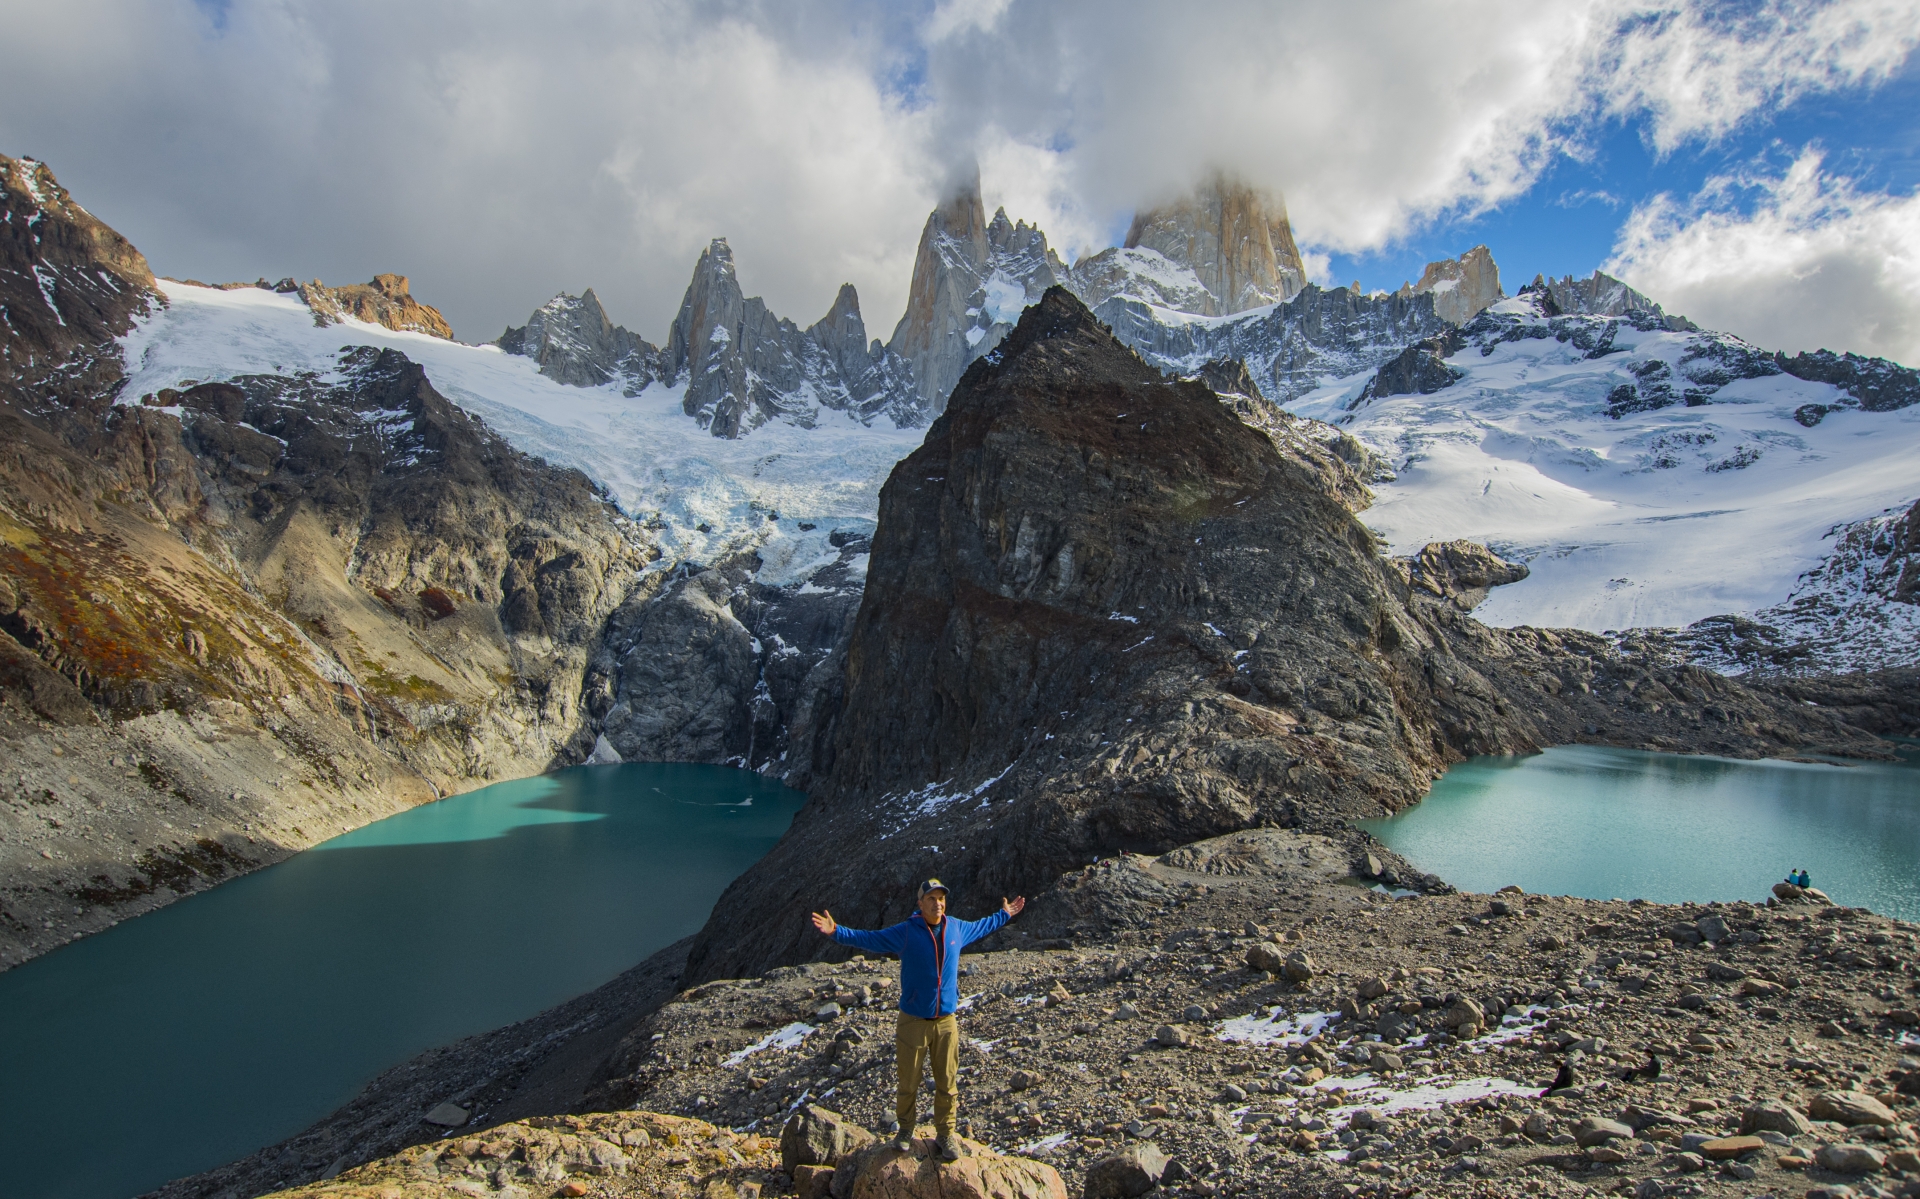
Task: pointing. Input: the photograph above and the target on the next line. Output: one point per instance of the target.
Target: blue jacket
(929, 965)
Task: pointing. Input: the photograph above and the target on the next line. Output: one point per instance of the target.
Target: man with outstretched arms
(929, 944)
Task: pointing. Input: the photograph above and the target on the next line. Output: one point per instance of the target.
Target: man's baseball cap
(930, 886)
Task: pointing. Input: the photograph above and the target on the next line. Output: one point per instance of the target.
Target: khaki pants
(936, 1042)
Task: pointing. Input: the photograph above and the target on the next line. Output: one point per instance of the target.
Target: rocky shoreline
(1276, 1025)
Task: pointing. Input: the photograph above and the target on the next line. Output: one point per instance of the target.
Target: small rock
(1727, 1148)
(1371, 988)
(1739, 1171)
(827, 1011)
(1712, 928)
(1689, 1163)
(1125, 1174)
(1832, 1030)
(1233, 1093)
(1021, 1080)
(815, 1136)
(1607, 1155)
(1499, 907)
(574, 1189)
(1171, 1036)
(1126, 1011)
(812, 1182)
(447, 1115)
(1194, 1013)
(1298, 967)
(1850, 1159)
(1373, 866)
(1598, 1130)
(1759, 988)
(1850, 1108)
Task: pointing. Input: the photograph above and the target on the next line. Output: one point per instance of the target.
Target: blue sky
(1568, 221)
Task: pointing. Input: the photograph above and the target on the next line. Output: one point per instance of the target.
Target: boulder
(1372, 987)
(1787, 891)
(1850, 1108)
(1850, 1159)
(815, 1136)
(1265, 956)
(1298, 967)
(447, 1115)
(980, 1173)
(1712, 928)
(1598, 1130)
(1171, 1036)
(1131, 1171)
(1770, 1115)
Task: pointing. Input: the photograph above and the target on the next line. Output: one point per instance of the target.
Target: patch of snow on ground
(1276, 1028)
(1642, 521)
(1439, 1091)
(659, 465)
(784, 1038)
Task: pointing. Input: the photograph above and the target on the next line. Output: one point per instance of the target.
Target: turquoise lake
(1614, 823)
(198, 1033)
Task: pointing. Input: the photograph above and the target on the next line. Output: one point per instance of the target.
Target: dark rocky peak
(68, 286)
(1462, 287)
(744, 366)
(1104, 613)
(843, 334)
(574, 342)
(387, 301)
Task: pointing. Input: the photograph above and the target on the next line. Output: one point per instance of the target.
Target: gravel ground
(1150, 1024)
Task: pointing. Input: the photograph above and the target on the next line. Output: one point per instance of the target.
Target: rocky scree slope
(1103, 613)
(240, 617)
(1242, 1006)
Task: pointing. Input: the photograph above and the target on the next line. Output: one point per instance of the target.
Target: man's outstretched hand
(1014, 906)
(825, 922)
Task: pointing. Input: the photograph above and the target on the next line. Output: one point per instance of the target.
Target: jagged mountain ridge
(1224, 250)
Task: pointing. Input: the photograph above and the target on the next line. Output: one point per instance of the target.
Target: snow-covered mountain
(783, 492)
(1650, 474)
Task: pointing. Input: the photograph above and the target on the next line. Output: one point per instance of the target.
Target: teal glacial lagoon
(198, 1033)
(1615, 823)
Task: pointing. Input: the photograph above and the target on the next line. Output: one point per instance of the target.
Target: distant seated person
(1804, 880)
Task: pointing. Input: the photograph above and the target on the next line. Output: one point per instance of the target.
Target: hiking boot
(902, 1143)
(948, 1148)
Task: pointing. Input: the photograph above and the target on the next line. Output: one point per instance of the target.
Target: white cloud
(501, 153)
(1810, 262)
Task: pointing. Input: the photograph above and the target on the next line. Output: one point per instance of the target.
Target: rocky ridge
(1104, 613)
(387, 300)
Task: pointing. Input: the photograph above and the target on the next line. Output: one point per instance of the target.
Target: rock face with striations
(1102, 612)
(971, 280)
(1234, 239)
(1461, 286)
